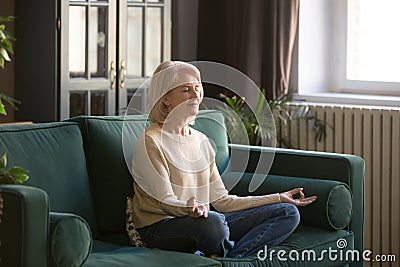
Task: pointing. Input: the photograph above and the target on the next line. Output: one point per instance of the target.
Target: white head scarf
(167, 77)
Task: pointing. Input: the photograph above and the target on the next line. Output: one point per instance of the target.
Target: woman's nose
(195, 93)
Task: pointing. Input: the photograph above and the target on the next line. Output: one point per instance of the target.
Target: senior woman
(176, 181)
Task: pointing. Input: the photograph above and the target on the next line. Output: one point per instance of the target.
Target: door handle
(112, 75)
(122, 74)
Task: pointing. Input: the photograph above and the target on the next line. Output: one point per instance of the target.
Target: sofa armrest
(24, 226)
(348, 169)
(70, 240)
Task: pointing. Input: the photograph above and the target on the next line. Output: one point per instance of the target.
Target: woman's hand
(196, 209)
(287, 197)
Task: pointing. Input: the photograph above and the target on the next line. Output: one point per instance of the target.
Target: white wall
(315, 45)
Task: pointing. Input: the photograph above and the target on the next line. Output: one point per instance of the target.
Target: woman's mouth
(193, 103)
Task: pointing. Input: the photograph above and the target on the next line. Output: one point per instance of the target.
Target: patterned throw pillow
(130, 227)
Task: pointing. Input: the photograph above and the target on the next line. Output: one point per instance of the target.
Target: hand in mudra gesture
(196, 209)
(287, 197)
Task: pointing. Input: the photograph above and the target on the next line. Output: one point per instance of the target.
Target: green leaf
(17, 170)
(230, 102)
(3, 161)
(2, 108)
(19, 174)
(9, 36)
(6, 18)
(21, 178)
(8, 46)
(4, 54)
(9, 100)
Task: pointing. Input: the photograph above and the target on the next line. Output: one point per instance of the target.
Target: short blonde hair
(164, 79)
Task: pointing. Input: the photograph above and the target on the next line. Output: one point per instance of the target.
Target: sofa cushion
(70, 240)
(212, 124)
(106, 254)
(53, 155)
(332, 210)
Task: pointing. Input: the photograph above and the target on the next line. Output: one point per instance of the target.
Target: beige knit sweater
(169, 169)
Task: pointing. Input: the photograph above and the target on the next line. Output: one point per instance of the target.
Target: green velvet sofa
(71, 212)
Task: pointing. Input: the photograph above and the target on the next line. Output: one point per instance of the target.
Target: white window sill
(349, 99)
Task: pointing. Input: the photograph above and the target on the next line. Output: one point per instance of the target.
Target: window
(372, 53)
(146, 42)
(373, 40)
(349, 46)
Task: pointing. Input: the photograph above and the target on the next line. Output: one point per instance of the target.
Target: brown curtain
(255, 36)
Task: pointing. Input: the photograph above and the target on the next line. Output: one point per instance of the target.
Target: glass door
(144, 42)
(88, 58)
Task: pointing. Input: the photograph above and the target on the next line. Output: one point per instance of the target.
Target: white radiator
(374, 134)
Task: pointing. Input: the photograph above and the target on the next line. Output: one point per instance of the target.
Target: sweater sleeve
(223, 202)
(151, 173)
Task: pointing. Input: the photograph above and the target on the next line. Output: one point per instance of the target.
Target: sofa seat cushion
(307, 241)
(107, 254)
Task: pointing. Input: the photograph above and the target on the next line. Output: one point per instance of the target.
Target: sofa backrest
(53, 155)
(106, 138)
(212, 124)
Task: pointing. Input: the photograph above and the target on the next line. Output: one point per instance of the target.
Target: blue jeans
(235, 234)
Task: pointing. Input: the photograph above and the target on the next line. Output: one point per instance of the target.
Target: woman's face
(186, 97)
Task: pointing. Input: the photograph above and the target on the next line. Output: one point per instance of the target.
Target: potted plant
(6, 49)
(14, 175)
(258, 128)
